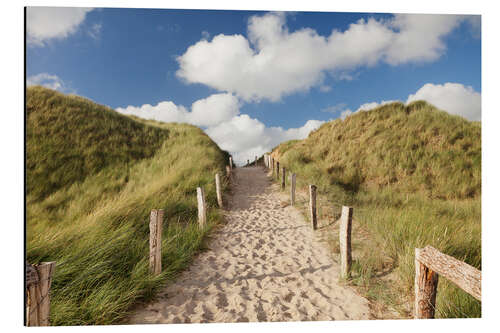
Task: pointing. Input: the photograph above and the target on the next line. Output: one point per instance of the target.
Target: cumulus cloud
(273, 62)
(46, 23)
(214, 109)
(209, 111)
(454, 98)
(50, 81)
(244, 137)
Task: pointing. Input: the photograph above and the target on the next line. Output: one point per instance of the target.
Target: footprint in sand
(263, 264)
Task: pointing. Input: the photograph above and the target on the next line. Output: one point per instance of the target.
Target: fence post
(278, 170)
(426, 282)
(345, 242)
(155, 231)
(218, 190)
(312, 206)
(38, 310)
(255, 164)
(202, 209)
(283, 178)
(228, 171)
(292, 190)
(231, 162)
(272, 165)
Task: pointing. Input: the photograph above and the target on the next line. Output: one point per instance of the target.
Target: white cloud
(345, 112)
(214, 110)
(244, 137)
(453, 98)
(165, 111)
(50, 81)
(204, 112)
(46, 23)
(420, 37)
(373, 105)
(274, 62)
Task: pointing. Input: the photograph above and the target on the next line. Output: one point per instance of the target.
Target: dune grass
(94, 221)
(413, 175)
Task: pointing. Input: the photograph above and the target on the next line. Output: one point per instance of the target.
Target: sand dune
(264, 264)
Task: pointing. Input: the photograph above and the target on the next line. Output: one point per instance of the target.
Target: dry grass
(413, 175)
(94, 224)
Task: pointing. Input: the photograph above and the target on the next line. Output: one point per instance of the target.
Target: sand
(264, 264)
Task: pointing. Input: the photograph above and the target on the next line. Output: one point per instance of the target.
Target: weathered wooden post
(426, 282)
(283, 178)
(155, 231)
(228, 171)
(429, 264)
(255, 164)
(272, 165)
(312, 206)
(345, 242)
(292, 190)
(202, 209)
(278, 170)
(218, 190)
(38, 281)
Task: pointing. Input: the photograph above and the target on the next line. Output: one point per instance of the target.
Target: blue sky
(255, 78)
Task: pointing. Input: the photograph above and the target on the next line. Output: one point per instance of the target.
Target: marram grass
(413, 175)
(93, 178)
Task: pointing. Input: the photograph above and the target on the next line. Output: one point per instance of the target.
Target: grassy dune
(93, 177)
(413, 175)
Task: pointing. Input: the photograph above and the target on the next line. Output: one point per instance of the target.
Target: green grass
(413, 175)
(93, 178)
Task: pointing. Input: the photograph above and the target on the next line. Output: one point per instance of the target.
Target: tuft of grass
(93, 218)
(413, 175)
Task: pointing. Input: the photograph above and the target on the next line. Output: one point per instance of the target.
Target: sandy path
(265, 264)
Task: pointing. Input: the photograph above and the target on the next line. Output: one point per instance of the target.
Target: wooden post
(155, 231)
(38, 310)
(231, 162)
(202, 209)
(278, 170)
(283, 178)
(465, 276)
(292, 190)
(426, 282)
(345, 242)
(248, 162)
(228, 171)
(255, 164)
(312, 206)
(218, 190)
(272, 165)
